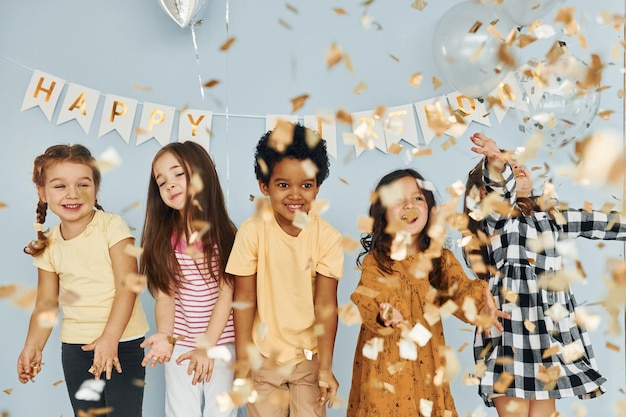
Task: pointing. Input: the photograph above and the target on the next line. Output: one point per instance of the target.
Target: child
(288, 273)
(187, 237)
(401, 283)
(526, 365)
(83, 265)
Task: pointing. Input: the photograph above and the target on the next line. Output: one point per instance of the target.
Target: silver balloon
(183, 12)
(524, 12)
(467, 54)
(560, 110)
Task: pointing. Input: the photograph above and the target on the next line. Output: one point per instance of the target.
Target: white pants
(185, 400)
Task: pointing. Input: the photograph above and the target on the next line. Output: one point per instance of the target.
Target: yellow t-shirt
(86, 279)
(286, 269)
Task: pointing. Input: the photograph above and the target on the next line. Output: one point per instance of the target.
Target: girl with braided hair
(83, 266)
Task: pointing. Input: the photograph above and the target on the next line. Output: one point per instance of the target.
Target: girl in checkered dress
(542, 354)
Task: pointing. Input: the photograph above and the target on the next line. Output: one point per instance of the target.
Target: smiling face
(70, 192)
(290, 189)
(410, 209)
(523, 179)
(170, 177)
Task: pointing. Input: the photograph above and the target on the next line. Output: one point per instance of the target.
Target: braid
(98, 206)
(36, 247)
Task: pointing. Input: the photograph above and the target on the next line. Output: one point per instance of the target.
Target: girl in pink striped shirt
(187, 238)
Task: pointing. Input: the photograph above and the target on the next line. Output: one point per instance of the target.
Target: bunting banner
(382, 128)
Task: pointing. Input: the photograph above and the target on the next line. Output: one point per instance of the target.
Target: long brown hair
(378, 242)
(204, 208)
(56, 154)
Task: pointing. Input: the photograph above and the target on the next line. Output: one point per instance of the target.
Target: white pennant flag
(369, 132)
(43, 91)
(156, 122)
(195, 125)
(80, 104)
(118, 114)
(272, 119)
(399, 124)
(510, 95)
(326, 127)
(431, 109)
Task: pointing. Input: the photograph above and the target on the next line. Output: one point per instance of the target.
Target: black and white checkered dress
(518, 350)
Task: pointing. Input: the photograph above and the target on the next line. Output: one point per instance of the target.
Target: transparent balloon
(468, 54)
(524, 12)
(558, 107)
(184, 12)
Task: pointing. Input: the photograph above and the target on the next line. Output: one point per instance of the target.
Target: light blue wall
(109, 45)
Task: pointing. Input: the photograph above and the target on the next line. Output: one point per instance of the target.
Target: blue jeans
(123, 392)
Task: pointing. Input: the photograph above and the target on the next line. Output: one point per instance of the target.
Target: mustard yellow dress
(391, 385)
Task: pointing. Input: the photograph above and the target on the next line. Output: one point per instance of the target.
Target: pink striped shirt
(196, 296)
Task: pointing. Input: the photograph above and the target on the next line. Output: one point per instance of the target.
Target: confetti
(552, 350)
(300, 220)
(372, 347)
(503, 383)
(360, 87)
(365, 224)
(426, 407)
(226, 45)
(132, 250)
(420, 334)
(416, 79)
(408, 349)
(57, 383)
(109, 159)
(349, 244)
(135, 282)
(140, 87)
(8, 290)
(298, 102)
(211, 83)
(349, 314)
(333, 55)
(572, 352)
(90, 390)
(8, 391)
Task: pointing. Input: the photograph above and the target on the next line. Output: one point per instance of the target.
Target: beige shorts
(279, 393)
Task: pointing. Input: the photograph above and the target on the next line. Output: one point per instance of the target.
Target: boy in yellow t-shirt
(288, 272)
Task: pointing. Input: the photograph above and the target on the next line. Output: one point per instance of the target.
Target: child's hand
(491, 311)
(389, 315)
(28, 363)
(200, 365)
(487, 147)
(104, 357)
(161, 349)
(328, 388)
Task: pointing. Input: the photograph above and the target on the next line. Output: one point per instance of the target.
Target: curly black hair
(306, 144)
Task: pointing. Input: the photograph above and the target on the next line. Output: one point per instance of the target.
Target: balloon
(524, 12)
(467, 55)
(183, 12)
(560, 110)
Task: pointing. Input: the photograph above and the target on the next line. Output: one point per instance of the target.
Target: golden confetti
(226, 45)
(26, 300)
(2, 206)
(347, 61)
(298, 102)
(211, 83)
(282, 136)
(7, 290)
(344, 117)
(284, 24)
(549, 376)
(462, 347)
(529, 326)
(612, 347)
(365, 224)
(419, 5)
(135, 282)
(339, 10)
(8, 391)
(57, 383)
(552, 350)
(395, 148)
(333, 55)
(349, 314)
(503, 383)
(436, 83)
(605, 114)
(291, 8)
(132, 250)
(360, 87)
(416, 79)
(139, 87)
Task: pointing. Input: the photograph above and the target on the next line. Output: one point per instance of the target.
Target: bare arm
(326, 317)
(105, 347)
(29, 361)
(245, 297)
(162, 342)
